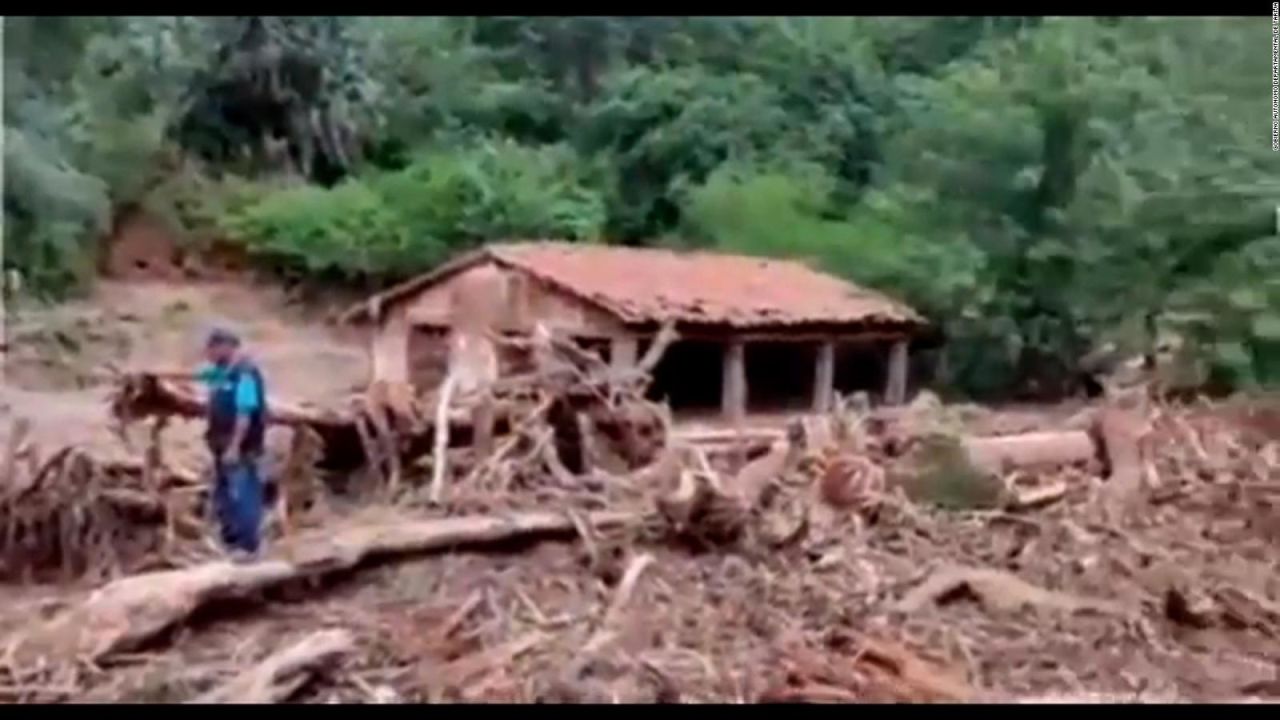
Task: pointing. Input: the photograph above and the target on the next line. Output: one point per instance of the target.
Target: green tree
(288, 95)
(86, 101)
(1045, 152)
(1036, 186)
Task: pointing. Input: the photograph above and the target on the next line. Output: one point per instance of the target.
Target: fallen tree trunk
(1115, 437)
(284, 672)
(126, 613)
(1030, 450)
(144, 394)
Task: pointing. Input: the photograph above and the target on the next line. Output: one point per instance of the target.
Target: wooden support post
(824, 376)
(733, 395)
(482, 424)
(623, 352)
(895, 391)
(390, 348)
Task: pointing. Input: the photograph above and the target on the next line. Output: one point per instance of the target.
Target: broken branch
(283, 673)
(996, 590)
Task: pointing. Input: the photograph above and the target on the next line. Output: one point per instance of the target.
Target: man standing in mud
(235, 434)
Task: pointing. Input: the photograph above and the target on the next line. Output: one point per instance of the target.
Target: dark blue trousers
(237, 501)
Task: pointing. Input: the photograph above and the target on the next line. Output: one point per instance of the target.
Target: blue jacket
(237, 389)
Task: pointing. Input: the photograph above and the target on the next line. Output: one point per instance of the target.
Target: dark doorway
(861, 367)
(780, 375)
(689, 375)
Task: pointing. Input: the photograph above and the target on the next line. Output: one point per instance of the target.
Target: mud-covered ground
(1175, 597)
(59, 366)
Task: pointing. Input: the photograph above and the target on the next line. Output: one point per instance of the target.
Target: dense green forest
(1037, 186)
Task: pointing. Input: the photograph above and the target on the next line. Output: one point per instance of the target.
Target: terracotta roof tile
(647, 284)
(642, 285)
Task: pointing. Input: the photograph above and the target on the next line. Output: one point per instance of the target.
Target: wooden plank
(733, 396)
(824, 375)
(895, 391)
(728, 435)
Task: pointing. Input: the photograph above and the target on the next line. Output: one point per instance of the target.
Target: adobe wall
(428, 357)
(389, 347)
(527, 301)
(410, 343)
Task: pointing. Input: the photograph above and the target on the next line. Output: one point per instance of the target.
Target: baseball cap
(221, 336)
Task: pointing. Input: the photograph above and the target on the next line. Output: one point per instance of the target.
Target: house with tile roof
(755, 334)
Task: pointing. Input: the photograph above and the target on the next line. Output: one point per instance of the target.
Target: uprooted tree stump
(69, 515)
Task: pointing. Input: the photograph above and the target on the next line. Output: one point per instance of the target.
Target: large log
(128, 612)
(346, 442)
(1030, 450)
(145, 394)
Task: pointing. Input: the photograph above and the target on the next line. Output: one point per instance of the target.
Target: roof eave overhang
(371, 309)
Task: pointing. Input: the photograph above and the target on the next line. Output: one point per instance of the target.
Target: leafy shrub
(83, 135)
(402, 222)
(348, 229)
(53, 213)
(492, 190)
(196, 204)
(1232, 316)
(942, 475)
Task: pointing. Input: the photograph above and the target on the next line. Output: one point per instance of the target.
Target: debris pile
(69, 515)
(573, 415)
(865, 555)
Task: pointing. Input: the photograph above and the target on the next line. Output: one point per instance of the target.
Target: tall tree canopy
(1037, 186)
